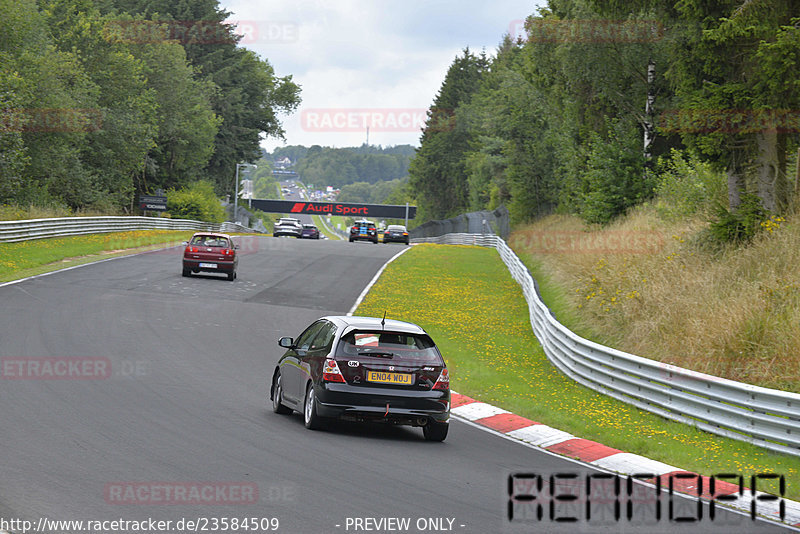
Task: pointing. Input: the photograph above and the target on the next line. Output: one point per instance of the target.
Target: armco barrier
(765, 417)
(11, 231)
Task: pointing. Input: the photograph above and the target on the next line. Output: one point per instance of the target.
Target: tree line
(596, 101)
(338, 167)
(101, 100)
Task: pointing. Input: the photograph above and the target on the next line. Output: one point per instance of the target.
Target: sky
(376, 63)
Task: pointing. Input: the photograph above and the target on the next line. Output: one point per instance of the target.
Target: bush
(615, 178)
(687, 185)
(197, 202)
(740, 225)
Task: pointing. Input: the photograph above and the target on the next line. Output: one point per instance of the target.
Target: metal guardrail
(475, 222)
(11, 231)
(766, 417)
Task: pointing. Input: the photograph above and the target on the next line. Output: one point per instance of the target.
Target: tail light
(443, 382)
(227, 252)
(331, 372)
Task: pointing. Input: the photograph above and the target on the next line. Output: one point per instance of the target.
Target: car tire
(231, 275)
(351, 240)
(277, 397)
(435, 431)
(187, 272)
(310, 417)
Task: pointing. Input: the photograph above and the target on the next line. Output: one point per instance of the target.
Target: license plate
(405, 379)
(208, 265)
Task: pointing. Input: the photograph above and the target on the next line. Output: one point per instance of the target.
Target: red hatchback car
(210, 252)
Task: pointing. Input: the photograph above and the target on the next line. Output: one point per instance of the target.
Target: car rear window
(210, 241)
(395, 346)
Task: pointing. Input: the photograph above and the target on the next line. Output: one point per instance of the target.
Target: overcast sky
(368, 62)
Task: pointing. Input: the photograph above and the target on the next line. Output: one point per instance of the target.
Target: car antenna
(383, 321)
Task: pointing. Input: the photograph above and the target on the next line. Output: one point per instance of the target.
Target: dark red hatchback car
(210, 252)
(364, 369)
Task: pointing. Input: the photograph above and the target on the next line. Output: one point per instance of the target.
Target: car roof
(353, 322)
(308, 225)
(396, 226)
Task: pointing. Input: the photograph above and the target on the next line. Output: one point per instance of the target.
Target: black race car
(363, 369)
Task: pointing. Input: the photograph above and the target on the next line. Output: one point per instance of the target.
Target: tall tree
(437, 173)
(126, 109)
(247, 97)
(727, 62)
(186, 123)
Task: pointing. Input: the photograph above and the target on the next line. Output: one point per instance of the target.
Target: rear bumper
(356, 237)
(279, 233)
(222, 266)
(415, 408)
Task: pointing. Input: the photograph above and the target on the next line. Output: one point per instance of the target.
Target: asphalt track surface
(183, 403)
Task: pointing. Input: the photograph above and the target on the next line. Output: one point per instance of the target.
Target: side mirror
(236, 247)
(286, 342)
(185, 243)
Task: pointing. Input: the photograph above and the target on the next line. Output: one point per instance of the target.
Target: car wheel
(351, 239)
(187, 272)
(231, 275)
(277, 397)
(435, 431)
(310, 417)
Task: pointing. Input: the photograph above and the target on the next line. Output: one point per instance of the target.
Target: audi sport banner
(335, 208)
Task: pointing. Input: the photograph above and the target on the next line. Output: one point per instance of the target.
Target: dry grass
(18, 213)
(646, 287)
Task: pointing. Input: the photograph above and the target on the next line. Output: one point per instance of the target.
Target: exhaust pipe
(422, 421)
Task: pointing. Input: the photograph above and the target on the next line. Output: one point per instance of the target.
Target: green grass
(476, 313)
(324, 229)
(37, 256)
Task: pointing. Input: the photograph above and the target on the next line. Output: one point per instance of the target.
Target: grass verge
(480, 322)
(37, 256)
(659, 289)
(323, 228)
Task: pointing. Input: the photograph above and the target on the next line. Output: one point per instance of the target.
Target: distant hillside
(337, 167)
